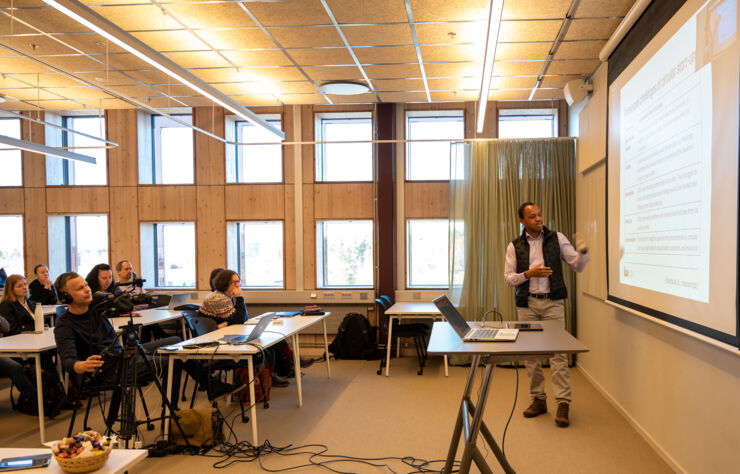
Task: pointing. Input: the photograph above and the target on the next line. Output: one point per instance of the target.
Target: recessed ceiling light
(344, 88)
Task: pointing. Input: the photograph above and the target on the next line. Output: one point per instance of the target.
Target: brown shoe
(538, 407)
(561, 419)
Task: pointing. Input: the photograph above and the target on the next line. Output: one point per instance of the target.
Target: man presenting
(533, 267)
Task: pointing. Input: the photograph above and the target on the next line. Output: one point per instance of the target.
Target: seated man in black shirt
(81, 336)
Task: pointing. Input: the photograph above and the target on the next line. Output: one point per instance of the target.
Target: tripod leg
(149, 425)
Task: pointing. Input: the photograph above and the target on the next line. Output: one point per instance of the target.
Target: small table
(553, 339)
(288, 328)
(402, 311)
(27, 345)
(148, 317)
(119, 460)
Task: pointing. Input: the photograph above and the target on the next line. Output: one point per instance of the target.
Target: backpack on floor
(262, 385)
(355, 339)
(53, 393)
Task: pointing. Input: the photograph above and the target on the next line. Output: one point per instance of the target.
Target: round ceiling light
(343, 88)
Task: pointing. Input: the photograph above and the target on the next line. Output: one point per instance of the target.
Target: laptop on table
(470, 334)
(255, 334)
(178, 299)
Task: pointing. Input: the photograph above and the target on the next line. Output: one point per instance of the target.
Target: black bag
(53, 393)
(355, 339)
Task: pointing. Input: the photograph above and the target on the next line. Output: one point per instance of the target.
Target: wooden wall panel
(426, 199)
(288, 150)
(469, 119)
(210, 239)
(289, 235)
(123, 164)
(309, 238)
(77, 200)
(344, 200)
(261, 201)
(437, 106)
(308, 151)
(35, 229)
(11, 201)
(123, 222)
(210, 154)
(34, 164)
(167, 203)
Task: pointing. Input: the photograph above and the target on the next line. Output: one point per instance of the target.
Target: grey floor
(358, 413)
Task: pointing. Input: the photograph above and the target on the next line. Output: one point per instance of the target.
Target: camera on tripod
(111, 305)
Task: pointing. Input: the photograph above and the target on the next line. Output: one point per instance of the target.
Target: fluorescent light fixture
(494, 23)
(87, 17)
(45, 150)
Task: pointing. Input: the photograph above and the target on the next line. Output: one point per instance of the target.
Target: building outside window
(10, 159)
(168, 254)
(255, 251)
(344, 253)
(430, 161)
(344, 161)
(255, 163)
(172, 152)
(77, 243)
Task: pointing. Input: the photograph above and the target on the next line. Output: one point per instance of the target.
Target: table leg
(297, 368)
(388, 344)
(461, 413)
(253, 402)
(40, 397)
(447, 374)
(170, 371)
(326, 350)
(470, 448)
(185, 335)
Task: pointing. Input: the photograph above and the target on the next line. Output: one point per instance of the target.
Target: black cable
(516, 396)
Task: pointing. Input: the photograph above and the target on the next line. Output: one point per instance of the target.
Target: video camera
(113, 305)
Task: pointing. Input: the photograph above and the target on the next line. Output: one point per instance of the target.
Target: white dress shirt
(568, 253)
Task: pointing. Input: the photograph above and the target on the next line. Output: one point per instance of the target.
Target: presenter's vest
(551, 254)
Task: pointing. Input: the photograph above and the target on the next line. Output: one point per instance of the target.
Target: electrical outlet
(313, 295)
(363, 295)
(347, 295)
(417, 295)
(328, 295)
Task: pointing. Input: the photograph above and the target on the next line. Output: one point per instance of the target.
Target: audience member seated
(13, 368)
(100, 278)
(225, 304)
(81, 336)
(16, 307)
(42, 288)
(126, 274)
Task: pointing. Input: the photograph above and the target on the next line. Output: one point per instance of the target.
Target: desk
(274, 333)
(149, 316)
(27, 345)
(119, 460)
(553, 339)
(401, 311)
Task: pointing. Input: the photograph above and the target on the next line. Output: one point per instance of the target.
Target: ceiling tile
(544, 30)
(321, 56)
(400, 71)
(467, 69)
(171, 41)
(353, 99)
(535, 9)
(573, 66)
(304, 99)
(397, 35)
(49, 20)
(310, 12)
(602, 8)
(210, 15)
(454, 96)
(513, 82)
(522, 50)
(557, 81)
(256, 58)
(245, 38)
(137, 17)
(81, 92)
(440, 33)
(386, 54)
(449, 10)
(251, 100)
(394, 85)
(466, 52)
(333, 73)
(547, 94)
(454, 84)
(307, 37)
(509, 68)
(579, 49)
(403, 96)
(376, 11)
(591, 29)
(198, 59)
(30, 94)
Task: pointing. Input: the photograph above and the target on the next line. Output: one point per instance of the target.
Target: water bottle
(38, 316)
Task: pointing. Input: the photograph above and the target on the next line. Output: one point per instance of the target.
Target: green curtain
(489, 180)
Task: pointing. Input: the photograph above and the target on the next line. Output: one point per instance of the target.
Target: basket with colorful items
(83, 452)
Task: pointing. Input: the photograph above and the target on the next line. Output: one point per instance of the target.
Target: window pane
(10, 160)
(427, 250)
(88, 242)
(175, 254)
(431, 160)
(79, 172)
(532, 126)
(173, 151)
(258, 163)
(344, 253)
(260, 254)
(11, 244)
(344, 161)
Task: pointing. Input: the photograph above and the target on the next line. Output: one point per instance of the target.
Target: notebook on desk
(467, 333)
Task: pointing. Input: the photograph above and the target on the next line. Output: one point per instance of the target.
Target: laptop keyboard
(482, 333)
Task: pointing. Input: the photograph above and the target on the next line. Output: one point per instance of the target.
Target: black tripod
(126, 389)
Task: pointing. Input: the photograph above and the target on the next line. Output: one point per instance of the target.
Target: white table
(27, 345)
(148, 317)
(402, 311)
(553, 339)
(288, 328)
(119, 460)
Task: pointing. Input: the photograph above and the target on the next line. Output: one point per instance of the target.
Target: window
(431, 160)
(10, 159)
(168, 254)
(78, 173)
(344, 161)
(11, 245)
(255, 250)
(344, 253)
(255, 163)
(527, 123)
(77, 243)
(426, 253)
(172, 153)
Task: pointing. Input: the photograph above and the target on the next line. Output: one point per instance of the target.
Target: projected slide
(666, 163)
(672, 172)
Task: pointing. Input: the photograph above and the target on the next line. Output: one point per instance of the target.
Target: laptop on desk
(255, 334)
(467, 333)
(178, 299)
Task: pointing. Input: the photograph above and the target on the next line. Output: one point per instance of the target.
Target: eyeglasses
(235, 282)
